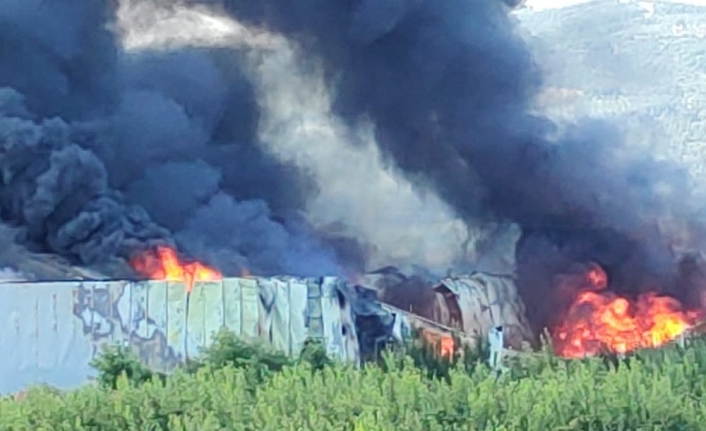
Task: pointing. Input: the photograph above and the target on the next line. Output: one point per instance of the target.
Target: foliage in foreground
(225, 350)
(225, 390)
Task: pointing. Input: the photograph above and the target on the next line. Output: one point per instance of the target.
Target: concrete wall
(51, 331)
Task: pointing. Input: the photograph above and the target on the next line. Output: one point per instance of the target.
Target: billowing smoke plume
(105, 153)
(449, 89)
(229, 150)
(358, 195)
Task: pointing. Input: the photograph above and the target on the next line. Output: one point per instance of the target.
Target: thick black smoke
(449, 87)
(104, 153)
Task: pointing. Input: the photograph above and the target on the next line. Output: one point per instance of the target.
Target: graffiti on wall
(54, 330)
(51, 332)
(165, 325)
(120, 313)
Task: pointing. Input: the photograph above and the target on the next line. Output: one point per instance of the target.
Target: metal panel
(204, 314)
(48, 340)
(139, 317)
(250, 307)
(213, 313)
(232, 305)
(314, 316)
(297, 309)
(42, 340)
(156, 349)
(24, 326)
(194, 323)
(287, 331)
(176, 319)
(269, 297)
(331, 313)
(115, 293)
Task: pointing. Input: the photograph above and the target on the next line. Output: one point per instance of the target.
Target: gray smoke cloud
(449, 87)
(359, 194)
(105, 152)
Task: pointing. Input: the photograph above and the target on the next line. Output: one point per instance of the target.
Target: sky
(553, 4)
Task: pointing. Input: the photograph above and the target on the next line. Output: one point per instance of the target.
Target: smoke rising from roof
(361, 196)
(449, 88)
(106, 152)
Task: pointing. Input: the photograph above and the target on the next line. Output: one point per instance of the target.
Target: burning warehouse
(61, 326)
(277, 138)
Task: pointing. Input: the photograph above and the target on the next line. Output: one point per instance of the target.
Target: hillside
(641, 64)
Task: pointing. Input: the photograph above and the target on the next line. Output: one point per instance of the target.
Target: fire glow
(599, 321)
(164, 264)
(444, 343)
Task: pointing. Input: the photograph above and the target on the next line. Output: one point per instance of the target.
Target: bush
(655, 390)
(225, 350)
(118, 361)
(257, 359)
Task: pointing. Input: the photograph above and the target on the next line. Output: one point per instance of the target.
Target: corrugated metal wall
(51, 331)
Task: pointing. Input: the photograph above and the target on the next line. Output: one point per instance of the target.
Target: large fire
(600, 321)
(596, 321)
(164, 264)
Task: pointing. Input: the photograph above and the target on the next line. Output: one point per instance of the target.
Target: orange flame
(443, 341)
(447, 346)
(599, 321)
(164, 264)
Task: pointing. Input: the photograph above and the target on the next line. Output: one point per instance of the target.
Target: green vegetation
(236, 386)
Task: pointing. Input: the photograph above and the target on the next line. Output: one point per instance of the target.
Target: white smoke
(153, 24)
(9, 274)
(374, 202)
